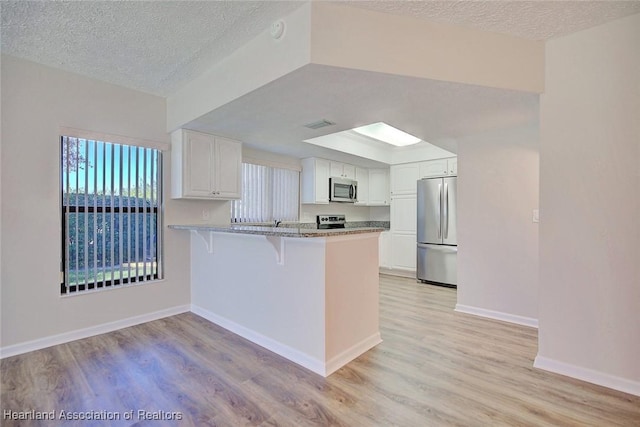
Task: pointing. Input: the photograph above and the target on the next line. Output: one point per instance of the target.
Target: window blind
(111, 214)
(268, 194)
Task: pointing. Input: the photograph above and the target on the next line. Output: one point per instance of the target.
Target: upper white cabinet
(343, 170)
(404, 178)
(378, 187)
(315, 181)
(205, 166)
(362, 176)
(440, 167)
(373, 184)
(452, 166)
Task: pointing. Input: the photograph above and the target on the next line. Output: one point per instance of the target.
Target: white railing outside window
(268, 194)
(111, 214)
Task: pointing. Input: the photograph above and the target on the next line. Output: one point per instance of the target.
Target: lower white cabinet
(404, 214)
(403, 251)
(384, 249)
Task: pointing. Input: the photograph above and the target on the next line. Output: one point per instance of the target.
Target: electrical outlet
(206, 215)
(536, 215)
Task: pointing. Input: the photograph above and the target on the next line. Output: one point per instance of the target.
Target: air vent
(319, 124)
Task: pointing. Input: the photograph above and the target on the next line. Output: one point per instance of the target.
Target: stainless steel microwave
(343, 190)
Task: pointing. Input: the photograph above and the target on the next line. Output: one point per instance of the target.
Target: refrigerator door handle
(439, 211)
(446, 211)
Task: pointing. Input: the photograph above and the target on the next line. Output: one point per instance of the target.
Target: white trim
(351, 353)
(117, 139)
(296, 356)
(409, 274)
(595, 377)
(66, 337)
(498, 315)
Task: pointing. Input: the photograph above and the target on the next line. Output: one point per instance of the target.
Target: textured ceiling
(535, 20)
(152, 46)
(158, 46)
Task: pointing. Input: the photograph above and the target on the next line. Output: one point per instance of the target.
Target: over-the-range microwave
(343, 190)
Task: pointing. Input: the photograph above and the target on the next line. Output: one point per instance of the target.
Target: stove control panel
(330, 221)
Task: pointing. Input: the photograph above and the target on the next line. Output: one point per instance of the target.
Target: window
(111, 214)
(268, 194)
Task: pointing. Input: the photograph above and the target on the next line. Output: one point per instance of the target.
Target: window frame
(156, 210)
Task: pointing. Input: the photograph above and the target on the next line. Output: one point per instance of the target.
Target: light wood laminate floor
(435, 367)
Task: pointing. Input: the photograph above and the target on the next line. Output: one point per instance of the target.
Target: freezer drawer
(437, 263)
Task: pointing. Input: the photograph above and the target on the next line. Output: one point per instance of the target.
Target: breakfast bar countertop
(276, 231)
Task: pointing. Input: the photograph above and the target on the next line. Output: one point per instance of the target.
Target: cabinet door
(198, 152)
(379, 187)
(336, 169)
(362, 176)
(404, 213)
(227, 168)
(452, 166)
(322, 181)
(349, 171)
(434, 168)
(404, 179)
(403, 251)
(315, 181)
(384, 249)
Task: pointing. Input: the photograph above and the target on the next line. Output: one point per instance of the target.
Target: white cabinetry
(440, 167)
(362, 176)
(404, 178)
(452, 166)
(343, 170)
(404, 214)
(205, 166)
(315, 181)
(384, 249)
(373, 184)
(403, 251)
(378, 187)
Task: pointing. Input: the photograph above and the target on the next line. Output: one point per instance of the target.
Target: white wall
(36, 102)
(590, 206)
(498, 241)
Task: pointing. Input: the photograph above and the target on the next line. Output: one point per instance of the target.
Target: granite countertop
(276, 231)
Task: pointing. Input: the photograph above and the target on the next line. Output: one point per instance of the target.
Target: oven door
(343, 190)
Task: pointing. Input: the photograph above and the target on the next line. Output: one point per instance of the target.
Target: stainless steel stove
(330, 221)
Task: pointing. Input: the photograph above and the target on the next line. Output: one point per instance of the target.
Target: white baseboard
(498, 315)
(296, 356)
(410, 274)
(351, 353)
(66, 337)
(589, 375)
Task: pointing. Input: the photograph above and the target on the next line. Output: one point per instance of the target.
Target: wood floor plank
(435, 367)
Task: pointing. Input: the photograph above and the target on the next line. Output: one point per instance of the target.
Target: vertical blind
(111, 214)
(268, 194)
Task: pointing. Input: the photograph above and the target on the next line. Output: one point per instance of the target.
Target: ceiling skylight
(385, 133)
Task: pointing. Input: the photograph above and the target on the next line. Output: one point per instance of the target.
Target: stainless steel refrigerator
(437, 234)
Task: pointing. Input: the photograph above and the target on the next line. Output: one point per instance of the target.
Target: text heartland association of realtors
(138, 415)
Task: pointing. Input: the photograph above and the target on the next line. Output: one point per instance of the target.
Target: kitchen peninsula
(308, 295)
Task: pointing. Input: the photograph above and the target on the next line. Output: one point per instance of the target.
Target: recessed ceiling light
(385, 133)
